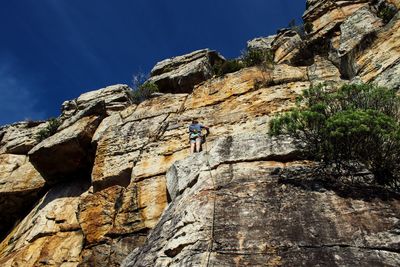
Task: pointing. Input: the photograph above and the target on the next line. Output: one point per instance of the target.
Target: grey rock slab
(353, 30)
(261, 43)
(229, 149)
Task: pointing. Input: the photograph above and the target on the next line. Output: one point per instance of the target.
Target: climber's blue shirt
(195, 130)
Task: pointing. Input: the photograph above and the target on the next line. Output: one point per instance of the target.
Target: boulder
(68, 153)
(115, 97)
(180, 74)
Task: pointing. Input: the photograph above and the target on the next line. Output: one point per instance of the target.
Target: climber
(195, 136)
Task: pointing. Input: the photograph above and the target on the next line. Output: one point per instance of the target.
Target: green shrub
(386, 13)
(257, 57)
(49, 130)
(357, 125)
(144, 91)
(228, 66)
(308, 27)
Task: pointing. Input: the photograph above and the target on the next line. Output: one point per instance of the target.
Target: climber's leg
(192, 146)
(198, 144)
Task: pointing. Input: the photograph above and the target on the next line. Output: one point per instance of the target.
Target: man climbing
(195, 136)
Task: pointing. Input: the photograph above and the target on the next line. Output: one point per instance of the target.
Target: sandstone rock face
(323, 71)
(19, 138)
(50, 234)
(231, 209)
(117, 178)
(67, 152)
(180, 74)
(116, 98)
(21, 185)
(356, 27)
(380, 61)
(325, 15)
(286, 46)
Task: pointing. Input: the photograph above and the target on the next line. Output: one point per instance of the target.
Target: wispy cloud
(17, 100)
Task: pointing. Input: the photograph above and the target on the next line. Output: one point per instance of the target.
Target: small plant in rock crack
(229, 66)
(142, 88)
(386, 13)
(49, 130)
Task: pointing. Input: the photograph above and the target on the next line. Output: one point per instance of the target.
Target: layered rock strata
(117, 177)
(230, 207)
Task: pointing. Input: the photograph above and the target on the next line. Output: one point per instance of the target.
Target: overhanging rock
(180, 74)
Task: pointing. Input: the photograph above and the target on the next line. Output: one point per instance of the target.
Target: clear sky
(55, 50)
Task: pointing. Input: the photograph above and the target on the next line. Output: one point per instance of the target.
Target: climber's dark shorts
(195, 140)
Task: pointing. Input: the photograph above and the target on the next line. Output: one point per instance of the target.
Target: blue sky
(55, 50)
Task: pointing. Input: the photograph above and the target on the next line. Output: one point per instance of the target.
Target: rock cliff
(116, 184)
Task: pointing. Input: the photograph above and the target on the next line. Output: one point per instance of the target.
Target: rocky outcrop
(116, 97)
(287, 46)
(67, 153)
(117, 177)
(19, 138)
(261, 43)
(325, 16)
(229, 208)
(180, 74)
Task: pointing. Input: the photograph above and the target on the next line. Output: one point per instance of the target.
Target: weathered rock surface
(180, 74)
(356, 27)
(19, 138)
(238, 213)
(115, 97)
(20, 187)
(261, 43)
(113, 160)
(123, 138)
(326, 15)
(323, 71)
(67, 153)
(287, 46)
(50, 235)
(381, 60)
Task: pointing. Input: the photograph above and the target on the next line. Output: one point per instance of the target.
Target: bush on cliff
(386, 12)
(257, 57)
(228, 66)
(49, 130)
(357, 125)
(142, 89)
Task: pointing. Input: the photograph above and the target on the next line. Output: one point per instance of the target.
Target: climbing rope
(211, 244)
